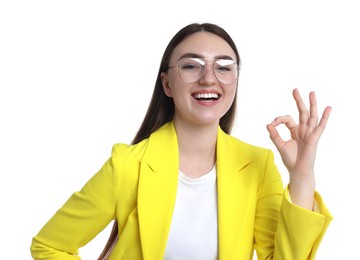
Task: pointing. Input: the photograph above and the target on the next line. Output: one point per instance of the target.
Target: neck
(197, 148)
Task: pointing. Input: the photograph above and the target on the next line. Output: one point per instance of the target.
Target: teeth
(206, 95)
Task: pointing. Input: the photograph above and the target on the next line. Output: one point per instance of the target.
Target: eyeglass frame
(206, 62)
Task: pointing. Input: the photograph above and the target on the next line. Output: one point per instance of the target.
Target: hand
(298, 154)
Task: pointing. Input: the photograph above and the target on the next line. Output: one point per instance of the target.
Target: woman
(185, 188)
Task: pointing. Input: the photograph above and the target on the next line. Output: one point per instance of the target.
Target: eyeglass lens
(192, 69)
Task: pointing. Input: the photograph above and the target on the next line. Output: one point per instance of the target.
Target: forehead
(204, 44)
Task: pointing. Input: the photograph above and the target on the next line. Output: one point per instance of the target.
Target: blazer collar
(158, 186)
(232, 183)
(157, 190)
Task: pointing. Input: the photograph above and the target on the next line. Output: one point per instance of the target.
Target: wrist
(302, 192)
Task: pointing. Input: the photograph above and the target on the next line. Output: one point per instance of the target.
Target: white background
(77, 76)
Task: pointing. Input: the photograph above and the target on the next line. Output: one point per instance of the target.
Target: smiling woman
(185, 188)
(202, 72)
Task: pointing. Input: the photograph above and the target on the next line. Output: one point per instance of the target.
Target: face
(205, 100)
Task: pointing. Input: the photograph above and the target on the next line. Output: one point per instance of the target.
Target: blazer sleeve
(81, 218)
(283, 230)
(300, 230)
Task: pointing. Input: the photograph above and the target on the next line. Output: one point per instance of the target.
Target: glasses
(192, 70)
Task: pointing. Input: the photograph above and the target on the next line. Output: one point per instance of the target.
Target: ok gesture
(299, 152)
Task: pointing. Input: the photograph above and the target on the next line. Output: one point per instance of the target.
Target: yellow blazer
(138, 185)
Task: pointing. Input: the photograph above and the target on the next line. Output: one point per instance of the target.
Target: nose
(208, 75)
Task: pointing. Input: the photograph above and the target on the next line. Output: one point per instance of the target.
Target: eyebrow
(194, 55)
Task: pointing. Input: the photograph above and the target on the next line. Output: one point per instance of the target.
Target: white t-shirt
(193, 233)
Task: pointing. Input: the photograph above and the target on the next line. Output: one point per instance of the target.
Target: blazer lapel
(158, 185)
(157, 190)
(232, 202)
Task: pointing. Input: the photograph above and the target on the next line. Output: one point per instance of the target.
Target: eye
(190, 65)
(224, 66)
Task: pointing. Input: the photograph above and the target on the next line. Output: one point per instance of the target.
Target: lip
(207, 91)
(204, 102)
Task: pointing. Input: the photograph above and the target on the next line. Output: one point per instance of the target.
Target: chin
(208, 121)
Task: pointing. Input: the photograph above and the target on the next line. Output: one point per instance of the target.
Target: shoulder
(137, 151)
(129, 151)
(239, 146)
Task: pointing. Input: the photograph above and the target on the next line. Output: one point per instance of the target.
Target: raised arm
(299, 152)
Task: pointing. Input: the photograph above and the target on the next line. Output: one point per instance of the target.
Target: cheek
(230, 97)
(231, 92)
(175, 81)
(177, 87)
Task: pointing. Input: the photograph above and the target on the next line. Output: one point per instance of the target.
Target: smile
(207, 97)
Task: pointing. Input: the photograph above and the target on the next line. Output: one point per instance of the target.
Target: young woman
(185, 188)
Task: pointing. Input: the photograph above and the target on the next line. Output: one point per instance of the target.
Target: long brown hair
(161, 109)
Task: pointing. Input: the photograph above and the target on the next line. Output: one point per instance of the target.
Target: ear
(166, 84)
